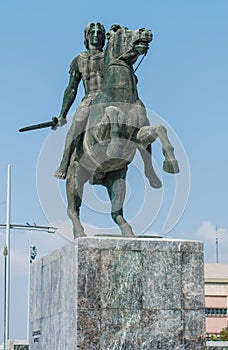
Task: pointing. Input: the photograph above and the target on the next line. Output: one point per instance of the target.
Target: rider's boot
(61, 172)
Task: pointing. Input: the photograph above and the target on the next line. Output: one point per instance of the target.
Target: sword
(52, 123)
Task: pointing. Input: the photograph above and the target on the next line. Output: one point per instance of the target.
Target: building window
(216, 312)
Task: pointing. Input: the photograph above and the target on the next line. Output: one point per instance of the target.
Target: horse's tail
(114, 149)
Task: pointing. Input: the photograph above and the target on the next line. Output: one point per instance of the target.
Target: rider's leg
(74, 189)
(68, 150)
(148, 167)
(116, 187)
(72, 140)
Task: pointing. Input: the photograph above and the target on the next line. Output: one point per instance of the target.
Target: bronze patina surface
(110, 123)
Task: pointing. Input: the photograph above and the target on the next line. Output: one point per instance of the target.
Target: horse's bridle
(118, 61)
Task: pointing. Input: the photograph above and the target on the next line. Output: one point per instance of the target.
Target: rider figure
(88, 67)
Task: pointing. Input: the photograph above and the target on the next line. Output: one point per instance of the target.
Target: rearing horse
(116, 127)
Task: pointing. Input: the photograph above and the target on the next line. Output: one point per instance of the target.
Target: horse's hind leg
(148, 134)
(74, 190)
(116, 186)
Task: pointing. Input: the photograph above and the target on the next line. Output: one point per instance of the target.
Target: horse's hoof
(127, 230)
(171, 166)
(154, 180)
(78, 234)
(155, 183)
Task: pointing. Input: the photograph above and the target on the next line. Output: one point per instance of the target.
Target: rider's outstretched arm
(69, 97)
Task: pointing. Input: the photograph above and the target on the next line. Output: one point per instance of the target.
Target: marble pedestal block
(111, 293)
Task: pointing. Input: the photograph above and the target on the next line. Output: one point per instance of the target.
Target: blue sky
(183, 79)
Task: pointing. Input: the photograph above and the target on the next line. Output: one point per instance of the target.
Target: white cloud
(207, 233)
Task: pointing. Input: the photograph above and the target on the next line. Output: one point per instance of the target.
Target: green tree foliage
(213, 337)
(224, 333)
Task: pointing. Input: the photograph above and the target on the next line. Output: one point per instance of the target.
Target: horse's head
(127, 45)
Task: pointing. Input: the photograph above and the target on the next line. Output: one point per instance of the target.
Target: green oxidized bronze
(110, 122)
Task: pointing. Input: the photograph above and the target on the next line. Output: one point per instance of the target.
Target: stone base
(119, 293)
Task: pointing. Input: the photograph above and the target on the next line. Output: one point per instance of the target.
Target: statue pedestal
(109, 293)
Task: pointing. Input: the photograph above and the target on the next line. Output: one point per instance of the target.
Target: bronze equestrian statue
(116, 125)
(110, 122)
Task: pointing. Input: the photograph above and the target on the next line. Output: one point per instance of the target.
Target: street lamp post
(5, 253)
(7, 261)
(8, 226)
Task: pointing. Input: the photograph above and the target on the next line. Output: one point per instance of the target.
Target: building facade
(216, 298)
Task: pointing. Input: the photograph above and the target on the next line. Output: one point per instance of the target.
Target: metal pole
(28, 306)
(30, 228)
(5, 253)
(8, 204)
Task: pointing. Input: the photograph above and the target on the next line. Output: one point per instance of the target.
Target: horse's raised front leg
(148, 167)
(148, 134)
(116, 186)
(74, 190)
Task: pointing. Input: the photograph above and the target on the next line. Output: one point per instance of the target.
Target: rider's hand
(61, 121)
